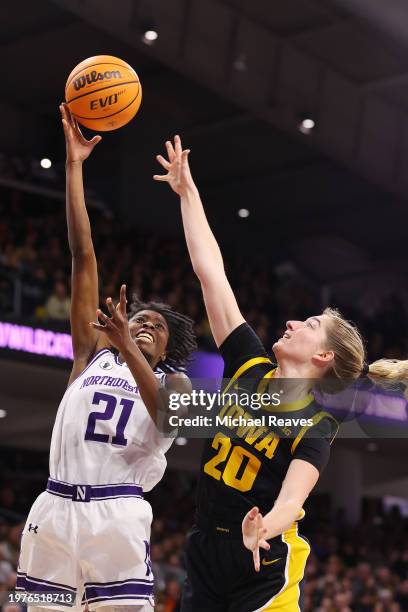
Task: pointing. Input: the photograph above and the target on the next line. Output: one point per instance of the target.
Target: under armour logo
(31, 527)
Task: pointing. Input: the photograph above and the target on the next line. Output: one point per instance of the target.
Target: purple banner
(35, 341)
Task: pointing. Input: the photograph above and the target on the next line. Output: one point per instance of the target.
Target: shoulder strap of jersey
(246, 366)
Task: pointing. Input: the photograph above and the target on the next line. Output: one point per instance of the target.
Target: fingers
(68, 115)
(104, 326)
(65, 112)
(171, 154)
(98, 326)
(259, 523)
(257, 562)
(184, 155)
(177, 146)
(263, 544)
(249, 518)
(161, 177)
(94, 141)
(62, 111)
(110, 306)
(78, 132)
(105, 322)
(166, 165)
(68, 121)
(101, 316)
(64, 118)
(252, 514)
(122, 301)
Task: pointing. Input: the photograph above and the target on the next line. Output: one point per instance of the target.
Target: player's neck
(291, 370)
(295, 382)
(291, 389)
(122, 360)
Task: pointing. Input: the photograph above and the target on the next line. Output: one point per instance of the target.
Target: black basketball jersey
(244, 466)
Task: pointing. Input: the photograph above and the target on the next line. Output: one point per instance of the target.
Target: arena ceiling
(338, 61)
(234, 78)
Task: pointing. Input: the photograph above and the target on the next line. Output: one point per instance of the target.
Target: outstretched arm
(221, 305)
(84, 282)
(300, 479)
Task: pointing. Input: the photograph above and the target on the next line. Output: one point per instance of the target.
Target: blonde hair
(344, 339)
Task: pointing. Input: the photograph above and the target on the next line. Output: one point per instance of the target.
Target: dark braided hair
(182, 339)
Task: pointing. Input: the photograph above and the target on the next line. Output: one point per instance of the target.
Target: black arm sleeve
(315, 451)
(242, 344)
(314, 447)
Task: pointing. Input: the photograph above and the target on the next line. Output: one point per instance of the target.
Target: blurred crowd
(361, 569)
(35, 277)
(351, 569)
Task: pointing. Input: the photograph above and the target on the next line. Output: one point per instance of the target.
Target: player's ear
(323, 358)
(163, 357)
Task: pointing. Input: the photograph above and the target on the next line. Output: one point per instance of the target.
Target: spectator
(58, 305)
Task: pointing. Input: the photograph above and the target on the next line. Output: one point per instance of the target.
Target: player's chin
(147, 349)
(277, 346)
(280, 347)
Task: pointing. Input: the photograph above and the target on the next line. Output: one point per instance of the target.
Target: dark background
(336, 195)
(327, 225)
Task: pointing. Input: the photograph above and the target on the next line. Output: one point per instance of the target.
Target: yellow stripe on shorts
(298, 551)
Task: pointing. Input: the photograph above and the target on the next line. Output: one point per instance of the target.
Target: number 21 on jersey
(106, 415)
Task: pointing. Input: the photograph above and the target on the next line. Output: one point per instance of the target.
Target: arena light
(46, 163)
(307, 125)
(240, 63)
(150, 37)
(3, 413)
(181, 441)
(372, 447)
(243, 213)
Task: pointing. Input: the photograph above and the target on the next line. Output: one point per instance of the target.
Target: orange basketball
(103, 92)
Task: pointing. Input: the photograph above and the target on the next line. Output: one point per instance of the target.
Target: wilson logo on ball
(94, 76)
(106, 101)
(103, 93)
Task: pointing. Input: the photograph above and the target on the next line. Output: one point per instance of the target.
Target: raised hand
(178, 170)
(78, 147)
(115, 327)
(253, 535)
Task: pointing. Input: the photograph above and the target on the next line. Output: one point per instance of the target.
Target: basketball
(103, 92)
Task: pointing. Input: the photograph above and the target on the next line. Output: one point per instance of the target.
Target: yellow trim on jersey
(316, 419)
(290, 406)
(298, 551)
(271, 373)
(263, 383)
(246, 366)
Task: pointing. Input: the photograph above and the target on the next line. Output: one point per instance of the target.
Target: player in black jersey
(245, 552)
